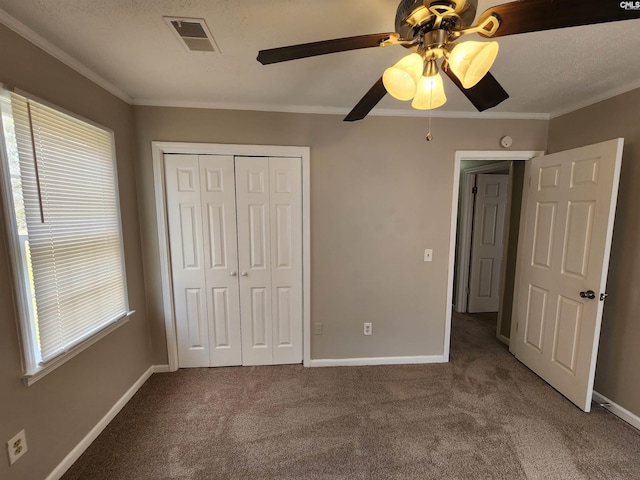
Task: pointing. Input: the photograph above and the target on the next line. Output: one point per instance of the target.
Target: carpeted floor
(482, 416)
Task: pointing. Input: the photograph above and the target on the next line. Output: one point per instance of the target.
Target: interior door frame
(499, 155)
(465, 229)
(159, 149)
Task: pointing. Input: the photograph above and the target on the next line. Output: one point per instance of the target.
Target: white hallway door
(562, 266)
(235, 231)
(487, 242)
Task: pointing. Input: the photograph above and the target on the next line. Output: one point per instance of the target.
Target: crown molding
(607, 95)
(377, 112)
(33, 37)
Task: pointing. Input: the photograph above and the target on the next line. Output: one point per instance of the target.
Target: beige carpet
(482, 416)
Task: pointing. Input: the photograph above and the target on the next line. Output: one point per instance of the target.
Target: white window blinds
(69, 189)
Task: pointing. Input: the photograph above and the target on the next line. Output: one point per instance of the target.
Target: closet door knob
(233, 274)
(244, 274)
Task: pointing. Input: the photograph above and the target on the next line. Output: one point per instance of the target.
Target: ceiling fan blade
(293, 52)
(485, 94)
(535, 15)
(366, 104)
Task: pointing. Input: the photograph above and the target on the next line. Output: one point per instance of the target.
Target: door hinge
(474, 190)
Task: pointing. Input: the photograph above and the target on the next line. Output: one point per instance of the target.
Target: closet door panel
(254, 259)
(221, 258)
(285, 184)
(235, 227)
(184, 213)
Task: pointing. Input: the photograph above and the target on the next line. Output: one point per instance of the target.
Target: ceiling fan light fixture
(430, 93)
(470, 61)
(401, 80)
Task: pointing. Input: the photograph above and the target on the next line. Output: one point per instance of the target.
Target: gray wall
(618, 372)
(380, 195)
(60, 409)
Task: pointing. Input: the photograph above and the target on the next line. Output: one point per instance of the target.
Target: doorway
(488, 218)
(564, 241)
(469, 164)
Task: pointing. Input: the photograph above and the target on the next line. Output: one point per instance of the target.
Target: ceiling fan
(431, 29)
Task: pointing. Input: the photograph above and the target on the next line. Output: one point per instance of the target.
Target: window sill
(38, 373)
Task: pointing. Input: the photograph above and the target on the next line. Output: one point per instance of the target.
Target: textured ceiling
(127, 43)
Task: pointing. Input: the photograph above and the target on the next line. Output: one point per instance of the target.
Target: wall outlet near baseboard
(318, 328)
(368, 328)
(17, 447)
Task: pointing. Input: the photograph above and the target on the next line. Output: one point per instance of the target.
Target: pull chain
(429, 135)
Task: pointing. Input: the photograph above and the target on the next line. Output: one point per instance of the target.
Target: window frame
(32, 369)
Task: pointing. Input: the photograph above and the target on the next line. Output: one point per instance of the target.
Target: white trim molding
(159, 149)
(88, 439)
(359, 362)
(465, 222)
(59, 54)
(320, 110)
(56, 52)
(620, 412)
(31, 378)
(459, 157)
(604, 95)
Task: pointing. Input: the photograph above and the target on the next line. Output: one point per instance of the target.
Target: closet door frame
(159, 150)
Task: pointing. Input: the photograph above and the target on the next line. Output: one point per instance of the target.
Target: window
(62, 208)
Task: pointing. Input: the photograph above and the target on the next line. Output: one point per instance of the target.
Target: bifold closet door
(203, 246)
(269, 208)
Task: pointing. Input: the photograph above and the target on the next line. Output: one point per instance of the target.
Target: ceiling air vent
(193, 33)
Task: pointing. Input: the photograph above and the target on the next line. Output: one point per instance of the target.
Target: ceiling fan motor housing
(413, 17)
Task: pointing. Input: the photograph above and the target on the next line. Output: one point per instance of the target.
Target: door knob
(233, 274)
(244, 274)
(590, 294)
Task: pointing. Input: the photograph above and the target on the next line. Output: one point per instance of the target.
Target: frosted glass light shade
(401, 80)
(430, 93)
(470, 61)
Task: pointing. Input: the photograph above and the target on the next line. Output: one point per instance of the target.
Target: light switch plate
(428, 255)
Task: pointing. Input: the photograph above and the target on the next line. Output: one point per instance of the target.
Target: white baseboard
(352, 362)
(161, 369)
(79, 449)
(631, 418)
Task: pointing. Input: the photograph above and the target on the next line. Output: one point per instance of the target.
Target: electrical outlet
(368, 328)
(17, 447)
(317, 328)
